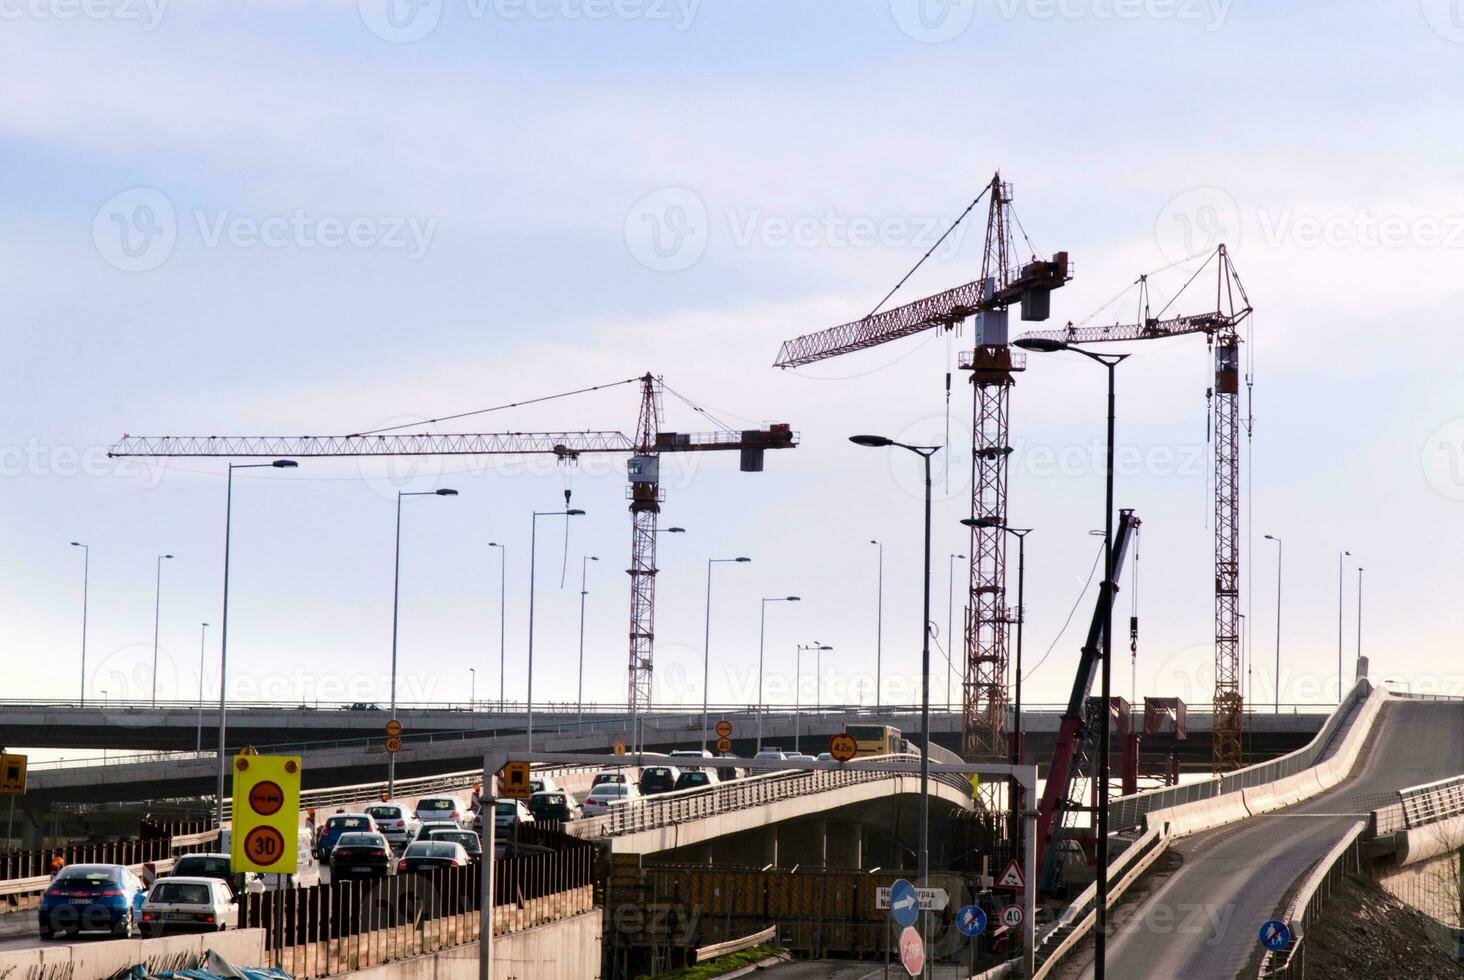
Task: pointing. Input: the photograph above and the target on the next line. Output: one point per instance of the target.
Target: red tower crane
(993, 366)
(1220, 326)
(643, 469)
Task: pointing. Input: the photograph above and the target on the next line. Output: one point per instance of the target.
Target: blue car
(92, 898)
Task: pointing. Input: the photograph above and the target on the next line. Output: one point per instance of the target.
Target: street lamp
(567, 513)
(202, 647)
(707, 642)
(815, 647)
(762, 632)
(924, 452)
(1359, 614)
(85, 589)
(950, 624)
(879, 625)
(1341, 677)
(1020, 533)
(1111, 363)
(1272, 537)
(396, 591)
(279, 464)
(579, 698)
(502, 614)
(472, 688)
(157, 607)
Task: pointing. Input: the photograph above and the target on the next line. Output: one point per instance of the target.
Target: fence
(167, 841)
(669, 809)
(351, 925)
(1129, 811)
(1344, 859)
(1419, 806)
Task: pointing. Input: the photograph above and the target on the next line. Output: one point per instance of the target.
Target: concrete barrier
(243, 947)
(1430, 840)
(565, 950)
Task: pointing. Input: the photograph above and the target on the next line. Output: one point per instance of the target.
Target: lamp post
(85, 589)
(1271, 537)
(1341, 677)
(814, 647)
(472, 688)
(707, 643)
(878, 625)
(950, 624)
(924, 452)
(1110, 362)
(396, 592)
(279, 464)
(502, 614)
(157, 608)
(579, 698)
(1359, 614)
(762, 632)
(202, 647)
(567, 513)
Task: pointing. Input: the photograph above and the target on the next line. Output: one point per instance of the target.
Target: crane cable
(1067, 622)
(495, 408)
(954, 225)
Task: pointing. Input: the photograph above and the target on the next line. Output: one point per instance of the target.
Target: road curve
(1201, 921)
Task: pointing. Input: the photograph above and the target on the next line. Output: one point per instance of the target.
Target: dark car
(430, 855)
(92, 898)
(360, 856)
(554, 804)
(469, 841)
(658, 779)
(209, 866)
(697, 779)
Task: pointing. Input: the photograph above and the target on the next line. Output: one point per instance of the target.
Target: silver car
(396, 822)
(179, 904)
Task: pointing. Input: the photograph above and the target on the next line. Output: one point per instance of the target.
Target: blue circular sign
(904, 903)
(1275, 935)
(971, 920)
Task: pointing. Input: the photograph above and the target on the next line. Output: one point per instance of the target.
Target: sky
(287, 218)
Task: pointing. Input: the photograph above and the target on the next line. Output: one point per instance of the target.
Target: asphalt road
(1201, 921)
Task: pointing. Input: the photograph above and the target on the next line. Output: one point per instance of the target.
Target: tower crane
(993, 366)
(1220, 326)
(643, 469)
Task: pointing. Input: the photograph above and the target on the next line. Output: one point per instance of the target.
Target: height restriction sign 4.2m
(266, 823)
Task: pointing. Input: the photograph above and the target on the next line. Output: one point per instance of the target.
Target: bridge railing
(1129, 811)
(1419, 806)
(1329, 872)
(668, 809)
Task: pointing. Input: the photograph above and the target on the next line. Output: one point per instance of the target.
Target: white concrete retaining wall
(84, 961)
(564, 950)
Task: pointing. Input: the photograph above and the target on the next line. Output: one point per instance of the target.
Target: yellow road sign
(516, 780)
(724, 729)
(724, 745)
(843, 747)
(393, 744)
(12, 775)
(619, 747)
(266, 813)
(393, 727)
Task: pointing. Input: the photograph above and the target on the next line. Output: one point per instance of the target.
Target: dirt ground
(1365, 933)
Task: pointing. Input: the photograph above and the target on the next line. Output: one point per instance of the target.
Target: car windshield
(358, 840)
(467, 838)
(385, 812)
(429, 849)
(83, 877)
(610, 777)
(341, 824)
(198, 866)
(443, 806)
(550, 799)
(506, 809)
(181, 893)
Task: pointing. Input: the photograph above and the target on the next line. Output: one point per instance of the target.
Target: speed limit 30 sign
(266, 814)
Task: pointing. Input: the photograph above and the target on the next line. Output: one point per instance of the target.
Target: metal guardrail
(1129, 811)
(668, 809)
(1344, 859)
(1421, 805)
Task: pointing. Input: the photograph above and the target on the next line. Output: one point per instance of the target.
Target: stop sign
(912, 951)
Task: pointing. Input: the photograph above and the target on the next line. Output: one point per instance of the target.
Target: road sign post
(12, 774)
(724, 746)
(912, 951)
(516, 780)
(724, 729)
(393, 744)
(266, 814)
(1275, 935)
(843, 747)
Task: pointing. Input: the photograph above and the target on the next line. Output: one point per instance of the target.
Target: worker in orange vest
(56, 865)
